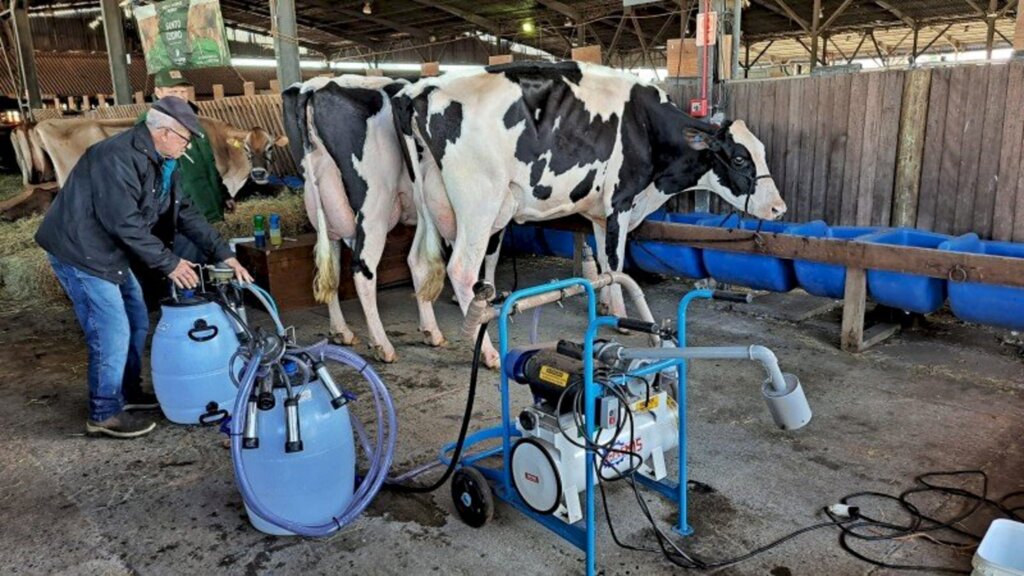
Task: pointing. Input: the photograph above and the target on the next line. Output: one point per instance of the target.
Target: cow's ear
(234, 142)
(281, 141)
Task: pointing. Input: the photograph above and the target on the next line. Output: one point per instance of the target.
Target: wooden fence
(246, 112)
(937, 149)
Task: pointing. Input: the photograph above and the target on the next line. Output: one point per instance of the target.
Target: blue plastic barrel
(192, 345)
(310, 486)
(995, 305)
(819, 279)
(560, 242)
(752, 270)
(908, 292)
(666, 258)
(522, 239)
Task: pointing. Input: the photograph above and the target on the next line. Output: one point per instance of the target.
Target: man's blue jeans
(115, 321)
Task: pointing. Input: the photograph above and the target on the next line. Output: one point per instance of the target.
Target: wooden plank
(780, 126)
(1009, 157)
(855, 299)
(790, 192)
(878, 333)
(970, 153)
(822, 149)
(218, 91)
(839, 135)
(249, 88)
(854, 148)
(764, 94)
(887, 150)
(1018, 37)
(1018, 222)
(910, 154)
(808, 124)
(920, 261)
(499, 59)
(934, 137)
(945, 206)
(590, 54)
(872, 134)
(988, 165)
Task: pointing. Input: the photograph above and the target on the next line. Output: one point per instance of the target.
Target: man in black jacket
(123, 198)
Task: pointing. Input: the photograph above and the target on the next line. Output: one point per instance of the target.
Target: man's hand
(241, 274)
(229, 205)
(184, 276)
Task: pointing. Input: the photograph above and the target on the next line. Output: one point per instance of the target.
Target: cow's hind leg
(366, 255)
(339, 330)
(490, 266)
(427, 268)
(463, 270)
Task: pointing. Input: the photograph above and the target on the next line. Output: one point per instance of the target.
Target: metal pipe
(113, 29)
(737, 28)
(756, 352)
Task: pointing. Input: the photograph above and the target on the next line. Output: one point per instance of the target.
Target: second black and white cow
(357, 189)
(538, 141)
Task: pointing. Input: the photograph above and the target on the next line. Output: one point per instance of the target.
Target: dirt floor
(939, 396)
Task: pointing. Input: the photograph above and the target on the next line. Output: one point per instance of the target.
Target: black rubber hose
(463, 430)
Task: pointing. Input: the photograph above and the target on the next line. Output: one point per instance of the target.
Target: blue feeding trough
(560, 243)
(826, 280)
(522, 239)
(1001, 306)
(752, 270)
(666, 258)
(908, 292)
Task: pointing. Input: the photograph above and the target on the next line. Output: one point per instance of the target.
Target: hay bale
(27, 280)
(18, 236)
(289, 205)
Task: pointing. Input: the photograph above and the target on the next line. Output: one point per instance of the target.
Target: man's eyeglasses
(187, 140)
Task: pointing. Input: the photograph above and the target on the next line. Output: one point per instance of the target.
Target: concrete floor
(941, 396)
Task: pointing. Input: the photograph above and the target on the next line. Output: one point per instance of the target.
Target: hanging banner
(182, 34)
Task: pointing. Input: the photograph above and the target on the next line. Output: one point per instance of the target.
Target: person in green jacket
(199, 177)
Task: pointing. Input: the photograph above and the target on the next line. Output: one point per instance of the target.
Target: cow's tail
(325, 256)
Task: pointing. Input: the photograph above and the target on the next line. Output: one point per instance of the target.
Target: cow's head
(258, 146)
(739, 172)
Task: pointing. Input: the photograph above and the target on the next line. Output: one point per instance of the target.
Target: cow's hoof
(385, 356)
(343, 339)
(603, 309)
(435, 339)
(492, 360)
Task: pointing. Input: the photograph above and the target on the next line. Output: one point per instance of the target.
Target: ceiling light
(528, 27)
(367, 8)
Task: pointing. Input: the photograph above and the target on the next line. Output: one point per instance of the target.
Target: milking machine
(288, 418)
(601, 411)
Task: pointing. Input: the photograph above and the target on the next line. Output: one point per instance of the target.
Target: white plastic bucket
(1002, 550)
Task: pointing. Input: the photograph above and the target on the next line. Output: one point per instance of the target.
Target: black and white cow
(538, 141)
(341, 131)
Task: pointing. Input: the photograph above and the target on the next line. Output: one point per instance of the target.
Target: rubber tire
(469, 484)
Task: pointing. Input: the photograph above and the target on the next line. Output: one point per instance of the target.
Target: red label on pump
(532, 478)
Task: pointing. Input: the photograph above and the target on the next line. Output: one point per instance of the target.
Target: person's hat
(181, 111)
(169, 78)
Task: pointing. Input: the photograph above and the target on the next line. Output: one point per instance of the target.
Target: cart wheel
(472, 497)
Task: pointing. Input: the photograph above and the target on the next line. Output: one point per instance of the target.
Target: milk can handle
(199, 327)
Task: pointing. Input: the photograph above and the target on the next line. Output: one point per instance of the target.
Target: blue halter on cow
(539, 141)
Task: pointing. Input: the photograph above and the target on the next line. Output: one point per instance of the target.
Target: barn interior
(894, 133)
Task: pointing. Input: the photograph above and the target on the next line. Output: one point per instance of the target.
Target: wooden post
(370, 72)
(499, 59)
(191, 93)
(578, 240)
(85, 102)
(854, 306)
(587, 54)
(71, 103)
(101, 100)
(914, 118)
(815, 21)
(218, 91)
(249, 88)
(430, 69)
(275, 86)
(140, 98)
(1018, 35)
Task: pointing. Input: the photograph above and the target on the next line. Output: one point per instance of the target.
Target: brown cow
(239, 154)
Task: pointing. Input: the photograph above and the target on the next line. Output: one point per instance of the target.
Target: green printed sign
(182, 34)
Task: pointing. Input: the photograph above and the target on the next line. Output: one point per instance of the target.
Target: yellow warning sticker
(641, 406)
(554, 376)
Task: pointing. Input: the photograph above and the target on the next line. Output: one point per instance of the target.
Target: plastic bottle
(275, 230)
(257, 225)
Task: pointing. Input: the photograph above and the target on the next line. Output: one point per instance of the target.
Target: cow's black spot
(542, 192)
(583, 188)
(358, 264)
(445, 127)
(401, 112)
(295, 131)
(394, 88)
(532, 71)
(536, 171)
(340, 115)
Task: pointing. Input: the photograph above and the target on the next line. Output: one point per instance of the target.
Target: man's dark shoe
(140, 401)
(122, 425)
